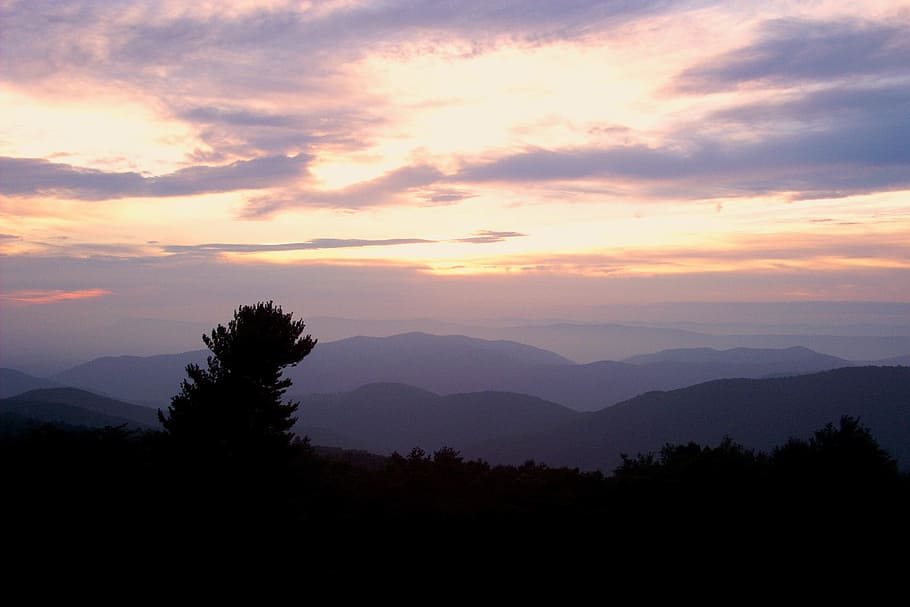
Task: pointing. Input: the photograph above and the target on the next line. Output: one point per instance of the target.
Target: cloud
(382, 190)
(793, 51)
(238, 116)
(865, 152)
(35, 176)
(318, 243)
(153, 248)
(781, 251)
(228, 47)
(489, 236)
(827, 107)
(569, 164)
(442, 196)
(30, 297)
(235, 130)
(9, 237)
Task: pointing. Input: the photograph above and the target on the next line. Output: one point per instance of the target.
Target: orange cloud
(30, 297)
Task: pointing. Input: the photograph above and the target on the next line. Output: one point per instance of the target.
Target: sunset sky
(172, 160)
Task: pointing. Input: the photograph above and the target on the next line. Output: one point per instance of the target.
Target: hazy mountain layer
(511, 428)
(148, 380)
(390, 417)
(456, 364)
(76, 407)
(592, 342)
(760, 413)
(13, 382)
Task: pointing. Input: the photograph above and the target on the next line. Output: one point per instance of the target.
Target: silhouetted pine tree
(234, 407)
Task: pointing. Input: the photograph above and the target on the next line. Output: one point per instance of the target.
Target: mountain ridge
(77, 407)
(457, 364)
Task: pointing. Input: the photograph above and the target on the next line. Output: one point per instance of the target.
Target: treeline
(111, 478)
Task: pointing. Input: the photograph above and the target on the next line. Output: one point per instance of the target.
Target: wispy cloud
(33, 176)
(236, 130)
(862, 154)
(489, 236)
(375, 192)
(442, 196)
(838, 105)
(153, 249)
(310, 245)
(793, 51)
(43, 35)
(30, 297)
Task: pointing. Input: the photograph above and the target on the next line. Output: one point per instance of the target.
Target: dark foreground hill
(74, 407)
(759, 413)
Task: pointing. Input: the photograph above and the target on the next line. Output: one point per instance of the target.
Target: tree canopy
(234, 407)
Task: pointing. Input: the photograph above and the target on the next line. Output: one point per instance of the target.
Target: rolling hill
(444, 364)
(75, 407)
(760, 413)
(589, 342)
(147, 380)
(389, 417)
(797, 358)
(450, 363)
(13, 382)
(455, 364)
(511, 428)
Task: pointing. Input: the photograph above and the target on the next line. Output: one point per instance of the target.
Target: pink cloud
(36, 296)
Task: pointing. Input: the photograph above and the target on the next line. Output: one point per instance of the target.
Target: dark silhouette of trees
(846, 453)
(233, 409)
(691, 462)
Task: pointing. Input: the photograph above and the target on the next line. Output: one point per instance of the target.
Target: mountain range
(509, 428)
(13, 382)
(760, 413)
(588, 342)
(74, 407)
(457, 364)
(387, 417)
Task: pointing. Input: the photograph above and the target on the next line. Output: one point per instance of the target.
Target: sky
(169, 161)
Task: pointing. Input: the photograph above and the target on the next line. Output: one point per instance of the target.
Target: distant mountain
(75, 407)
(147, 380)
(897, 361)
(582, 387)
(586, 342)
(596, 385)
(760, 413)
(450, 363)
(14, 382)
(441, 363)
(389, 417)
(455, 364)
(797, 357)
